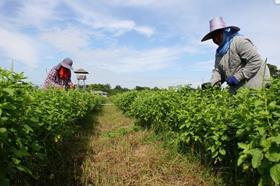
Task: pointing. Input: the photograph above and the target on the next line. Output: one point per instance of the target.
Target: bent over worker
(60, 75)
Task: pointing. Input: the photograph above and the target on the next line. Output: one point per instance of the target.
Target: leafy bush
(33, 121)
(239, 131)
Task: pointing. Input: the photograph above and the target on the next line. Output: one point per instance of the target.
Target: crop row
(238, 132)
(33, 121)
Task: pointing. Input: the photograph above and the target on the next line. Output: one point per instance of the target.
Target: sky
(154, 43)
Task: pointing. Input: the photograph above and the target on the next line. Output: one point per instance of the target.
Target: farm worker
(237, 61)
(60, 75)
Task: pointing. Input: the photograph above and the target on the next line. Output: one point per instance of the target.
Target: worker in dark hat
(60, 75)
(237, 61)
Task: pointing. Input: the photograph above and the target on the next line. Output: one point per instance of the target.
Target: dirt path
(122, 154)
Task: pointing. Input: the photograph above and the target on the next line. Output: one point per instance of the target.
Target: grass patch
(123, 154)
(120, 132)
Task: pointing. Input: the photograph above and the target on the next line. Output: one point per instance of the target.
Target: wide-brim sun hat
(217, 23)
(67, 63)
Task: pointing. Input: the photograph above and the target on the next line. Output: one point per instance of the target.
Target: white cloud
(145, 3)
(120, 27)
(145, 30)
(207, 65)
(19, 47)
(36, 13)
(135, 2)
(125, 60)
(122, 24)
(265, 35)
(98, 20)
(66, 39)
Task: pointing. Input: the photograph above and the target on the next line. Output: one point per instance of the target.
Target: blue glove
(231, 80)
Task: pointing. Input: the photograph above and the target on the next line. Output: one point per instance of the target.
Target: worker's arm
(249, 55)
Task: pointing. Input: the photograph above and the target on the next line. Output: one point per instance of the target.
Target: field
(236, 136)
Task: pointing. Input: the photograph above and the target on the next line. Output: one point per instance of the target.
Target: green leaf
(275, 139)
(16, 161)
(24, 169)
(4, 118)
(272, 105)
(22, 153)
(261, 130)
(275, 173)
(27, 128)
(265, 143)
(3, 130)
(243, 146)
(222, 152)
(9, 91)
(241, 159)
(264, 113)
(276, 114)
(257, 157)
(261, 182)
(258, 103)
(274, 156)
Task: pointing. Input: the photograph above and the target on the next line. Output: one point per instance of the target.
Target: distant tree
(274, 71)
(118, 89)
(107, 88)
(155, 88)
(99, 87)
(141, 88)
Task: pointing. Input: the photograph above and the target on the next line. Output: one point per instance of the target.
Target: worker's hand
(217, 84)
(71, 86)
(231, 80)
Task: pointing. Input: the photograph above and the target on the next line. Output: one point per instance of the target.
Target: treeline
(116, 90)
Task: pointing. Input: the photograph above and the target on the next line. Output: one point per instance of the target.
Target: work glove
(231, 80)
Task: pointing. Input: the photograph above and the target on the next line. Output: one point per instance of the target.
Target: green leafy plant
(33, 122)
(239, 132)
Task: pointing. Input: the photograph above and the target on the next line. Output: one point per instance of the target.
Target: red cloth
(54, 79)
(64, 73)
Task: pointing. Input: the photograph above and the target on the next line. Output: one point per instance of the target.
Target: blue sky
(129, 42)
